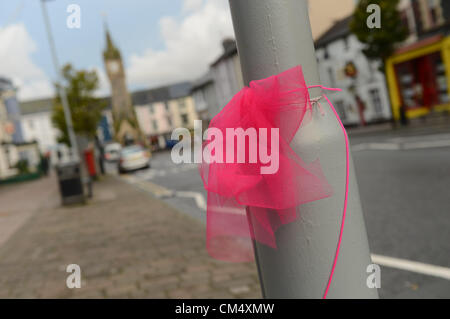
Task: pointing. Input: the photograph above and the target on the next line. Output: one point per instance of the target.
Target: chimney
(228, 44)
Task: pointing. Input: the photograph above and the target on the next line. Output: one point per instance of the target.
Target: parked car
(112, 152)
(171, 143)
(133, 158)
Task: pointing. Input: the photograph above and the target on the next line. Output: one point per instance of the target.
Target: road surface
(404, 181)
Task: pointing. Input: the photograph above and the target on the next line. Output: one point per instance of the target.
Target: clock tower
(125, 123)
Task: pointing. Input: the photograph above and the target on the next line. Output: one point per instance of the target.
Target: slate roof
(164, 93)
(142, 97)
(339, 30)
(202, 81)
(36, 106)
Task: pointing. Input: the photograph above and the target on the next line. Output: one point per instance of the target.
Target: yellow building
(418, 77)
(183, 112)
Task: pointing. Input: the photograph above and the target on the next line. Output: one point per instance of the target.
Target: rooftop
(229, 49)
(36, 106)
(202, 81)
(163, 93)
(142, 97)
(339, 30)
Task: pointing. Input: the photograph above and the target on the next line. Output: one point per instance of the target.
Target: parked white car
(112, 152)
(133, 158)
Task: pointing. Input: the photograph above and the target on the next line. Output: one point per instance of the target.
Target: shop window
(441, 80)
(422, 81)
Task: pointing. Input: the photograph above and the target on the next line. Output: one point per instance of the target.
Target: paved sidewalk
(127, 243)
(436, 123)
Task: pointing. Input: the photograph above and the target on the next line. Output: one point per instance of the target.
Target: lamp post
(273, 36)
(59, 80)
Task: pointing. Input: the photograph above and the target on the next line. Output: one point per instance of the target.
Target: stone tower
(125, 123)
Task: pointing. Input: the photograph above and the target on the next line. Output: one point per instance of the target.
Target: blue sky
(161, 41)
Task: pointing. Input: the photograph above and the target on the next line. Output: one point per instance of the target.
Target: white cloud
(16, 63)
(190, 45)
(189, 5)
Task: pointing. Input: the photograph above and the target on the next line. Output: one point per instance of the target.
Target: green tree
(380, 42)
(86, 109)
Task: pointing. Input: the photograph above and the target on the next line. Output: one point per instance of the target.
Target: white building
(8, 156)
(36, 120)
(227, 75)
(337, 49)
(204, 94)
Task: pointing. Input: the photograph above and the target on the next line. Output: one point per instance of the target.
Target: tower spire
(111, 51)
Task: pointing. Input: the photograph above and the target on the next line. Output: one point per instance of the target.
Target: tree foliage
(380, 42)
(86, 109)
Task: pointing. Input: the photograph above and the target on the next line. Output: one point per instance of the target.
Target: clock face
(113, 66)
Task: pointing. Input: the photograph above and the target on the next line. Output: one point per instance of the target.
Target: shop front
(419, 78)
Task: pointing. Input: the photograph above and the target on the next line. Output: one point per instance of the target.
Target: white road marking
(235, 211)
(400, 146)
(152, 172)
(412, 266)
(430, 137)
(198, 197)
(426, 144)
(359, 147)
(385, 146)
(376, 147)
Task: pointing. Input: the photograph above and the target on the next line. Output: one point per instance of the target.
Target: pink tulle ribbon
(243, 204)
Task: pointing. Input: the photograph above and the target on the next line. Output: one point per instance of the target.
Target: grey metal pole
(61, 90)
(273, 36)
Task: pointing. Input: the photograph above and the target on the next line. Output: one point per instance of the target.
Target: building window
(326, 56)
(181, 103)
(340, 108)
(151, 109)
(31, 124)
(155, 125)
(184, 119)
(169, 121)
(433, 10)
(405, 21)
(166, 106)
(376, 101)
(346, 44)
(331, 77)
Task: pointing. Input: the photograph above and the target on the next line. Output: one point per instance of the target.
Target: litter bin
(70, 184)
